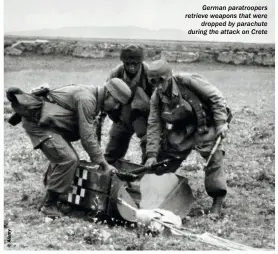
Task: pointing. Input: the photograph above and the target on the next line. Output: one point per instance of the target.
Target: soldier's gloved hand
(108, 168)
(150, 161)
(113, 169)
(222, 130)
(160, 170)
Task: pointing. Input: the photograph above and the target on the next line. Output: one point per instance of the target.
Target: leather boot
(49, 207)
(217, 205)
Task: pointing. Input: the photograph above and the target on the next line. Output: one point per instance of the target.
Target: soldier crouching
(55, 119)
(132, 118)
(186, 113)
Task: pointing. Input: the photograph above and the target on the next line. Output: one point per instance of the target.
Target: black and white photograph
(138, 125)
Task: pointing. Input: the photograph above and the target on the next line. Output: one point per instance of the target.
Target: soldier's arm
(211, 95)
(154, 127)
(85, 109)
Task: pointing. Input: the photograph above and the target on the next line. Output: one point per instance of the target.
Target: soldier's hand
(112, 169)
(108, 168)
(222, 130)
(151, 161)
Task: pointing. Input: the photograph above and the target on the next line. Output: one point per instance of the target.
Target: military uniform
(133, 117)
(68, 117)
(54, 118)
(183, 118)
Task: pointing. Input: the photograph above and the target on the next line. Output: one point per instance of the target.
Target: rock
(254, 165)
(105, 237)
(207, 56)
(239, 57)
(28, 46)
(225, 57)
(64, 48)
(98, 237)
(248, 111)
(8, 43)
(180, 57)
(88, 52)
(78, 51)
(170, 56)
(150, 52)
(265, 59)
(41, 41)
(24, 197)
(45, 49)
(112, 54)
(48, 220)
(111, 247)
(12, 51)
(187, 57)
(249, 58)
(70, 232)
(172, 52)
(153, 52)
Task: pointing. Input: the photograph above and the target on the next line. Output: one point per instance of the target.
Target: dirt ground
(249, 209)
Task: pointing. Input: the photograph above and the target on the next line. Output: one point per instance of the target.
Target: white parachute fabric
(157, 219)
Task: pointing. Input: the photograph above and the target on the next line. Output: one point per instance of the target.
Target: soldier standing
(59, 117)
(186, 113)
(132, 117)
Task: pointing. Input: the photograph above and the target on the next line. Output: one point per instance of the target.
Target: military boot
(217, 205)
(49, 207)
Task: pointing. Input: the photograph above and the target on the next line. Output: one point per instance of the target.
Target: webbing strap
(197, 106)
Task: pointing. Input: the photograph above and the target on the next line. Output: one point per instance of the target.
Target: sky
(21, 15)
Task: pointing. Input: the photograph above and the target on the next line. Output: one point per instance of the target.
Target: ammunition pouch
(141, 100)
(198, 107)
(179, 115)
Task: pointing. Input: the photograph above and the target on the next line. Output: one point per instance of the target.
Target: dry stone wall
(183, 52)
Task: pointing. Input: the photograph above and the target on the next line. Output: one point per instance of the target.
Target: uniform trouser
(120, 136)
(63, 160)
(215, 178)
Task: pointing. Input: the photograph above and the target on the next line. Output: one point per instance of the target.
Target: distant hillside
(129, 32)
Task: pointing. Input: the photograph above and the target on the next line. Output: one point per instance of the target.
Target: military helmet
(132, 53)
(160, 68)
(119, 90)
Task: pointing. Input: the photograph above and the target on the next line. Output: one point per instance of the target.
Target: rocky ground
(173, 51)
(249, 210)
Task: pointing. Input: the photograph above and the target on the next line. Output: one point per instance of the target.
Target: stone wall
(183, 52)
